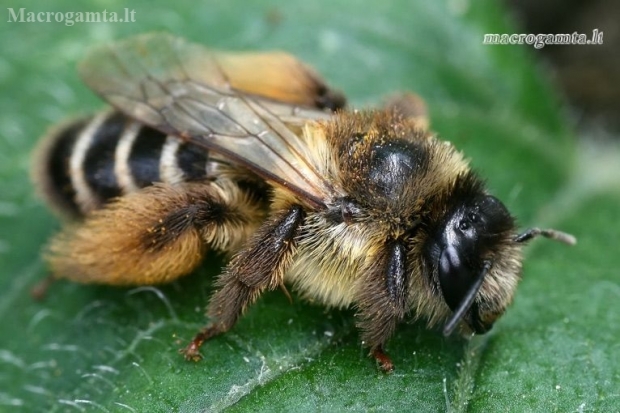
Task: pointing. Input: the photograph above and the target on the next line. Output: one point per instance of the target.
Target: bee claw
(385, 362)
(192, 351)
(39, 291)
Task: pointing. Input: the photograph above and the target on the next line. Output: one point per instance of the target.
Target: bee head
(476, 258)
(475, 262)
(472, 238)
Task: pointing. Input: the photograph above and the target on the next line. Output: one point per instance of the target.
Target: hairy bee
(244, 154)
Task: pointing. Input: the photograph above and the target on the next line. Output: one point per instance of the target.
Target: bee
(251, 155)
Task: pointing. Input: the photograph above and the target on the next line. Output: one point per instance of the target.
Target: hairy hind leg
(154, 235)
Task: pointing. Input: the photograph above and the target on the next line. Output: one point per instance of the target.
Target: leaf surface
(95, 348)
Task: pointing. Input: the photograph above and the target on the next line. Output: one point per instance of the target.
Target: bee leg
(382, 303)
(39, 291)
(155, 235)
(258, 266)
(384, 360)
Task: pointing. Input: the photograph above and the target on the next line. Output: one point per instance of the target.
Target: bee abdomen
(84, 163)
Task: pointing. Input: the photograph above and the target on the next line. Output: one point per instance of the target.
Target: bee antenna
(548, 233)
(464, 306)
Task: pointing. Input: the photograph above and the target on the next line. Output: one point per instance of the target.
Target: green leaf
(104, 349)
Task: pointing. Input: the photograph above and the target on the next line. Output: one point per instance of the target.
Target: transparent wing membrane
(186, 90)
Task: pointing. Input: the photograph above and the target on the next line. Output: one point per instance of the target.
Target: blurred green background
(94, 348)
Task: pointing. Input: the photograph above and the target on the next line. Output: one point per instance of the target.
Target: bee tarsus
(192, 351)
(385, 362)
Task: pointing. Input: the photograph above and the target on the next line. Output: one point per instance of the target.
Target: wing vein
(243, 106)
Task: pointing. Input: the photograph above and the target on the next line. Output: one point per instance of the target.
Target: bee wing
(188, 91)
